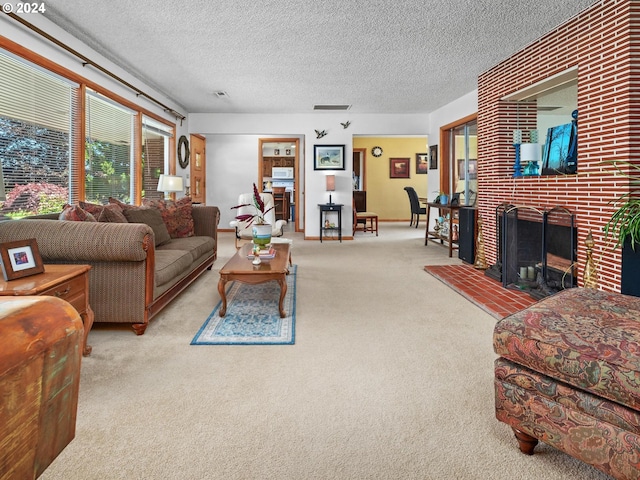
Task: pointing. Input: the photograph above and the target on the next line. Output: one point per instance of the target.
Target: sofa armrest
(205, 220)
(82, 241)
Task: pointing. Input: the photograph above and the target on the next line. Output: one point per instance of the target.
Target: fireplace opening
(536, 249)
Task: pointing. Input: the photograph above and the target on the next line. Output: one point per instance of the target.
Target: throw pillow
(74, 213)
(122, 205)
(151, 217)
(177, 215)
(111, 212)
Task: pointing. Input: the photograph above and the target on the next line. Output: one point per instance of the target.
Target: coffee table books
(264, 254)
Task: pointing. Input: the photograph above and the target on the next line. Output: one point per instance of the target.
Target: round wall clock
(183, 151)
(376, 151)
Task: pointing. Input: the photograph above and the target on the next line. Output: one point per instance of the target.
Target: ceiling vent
(221, 94)
(332, 107)
(549, 108)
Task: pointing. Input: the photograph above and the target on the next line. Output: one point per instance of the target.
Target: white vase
(261, 235)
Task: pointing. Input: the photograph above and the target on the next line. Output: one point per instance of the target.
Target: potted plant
(261, 230)
(624, 224)
(624, 227)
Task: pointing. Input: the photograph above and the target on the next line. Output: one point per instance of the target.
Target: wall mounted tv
(560, 155)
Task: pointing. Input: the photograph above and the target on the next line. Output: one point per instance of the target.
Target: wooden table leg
(87, 320)
(283, 291)
(223, 295)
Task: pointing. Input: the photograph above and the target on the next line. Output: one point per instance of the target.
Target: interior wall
(608, 107)
(386, 196)
(248, 127)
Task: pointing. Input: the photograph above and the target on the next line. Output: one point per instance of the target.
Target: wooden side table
(68, 282)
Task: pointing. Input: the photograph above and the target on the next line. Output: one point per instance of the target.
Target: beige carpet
(390, 378)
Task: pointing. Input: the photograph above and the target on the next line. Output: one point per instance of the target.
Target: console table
(432, 235)
(68, 282)
(330, 207)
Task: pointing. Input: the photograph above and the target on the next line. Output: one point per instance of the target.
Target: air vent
(221, 94)
(549, 108)
(331, 107)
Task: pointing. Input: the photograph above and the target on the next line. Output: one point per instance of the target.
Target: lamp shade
(331, 183)
(530, 152)
(170, 183)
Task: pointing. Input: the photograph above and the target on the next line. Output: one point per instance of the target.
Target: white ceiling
(284, 56)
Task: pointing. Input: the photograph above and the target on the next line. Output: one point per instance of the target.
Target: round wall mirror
(183, 151)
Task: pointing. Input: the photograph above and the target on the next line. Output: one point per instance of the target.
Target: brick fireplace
(596, 43)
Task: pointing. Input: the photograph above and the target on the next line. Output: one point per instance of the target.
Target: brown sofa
(131, 279)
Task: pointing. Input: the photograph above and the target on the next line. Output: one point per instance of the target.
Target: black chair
(415, 205)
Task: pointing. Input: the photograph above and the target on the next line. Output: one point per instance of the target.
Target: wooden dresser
(67, 282)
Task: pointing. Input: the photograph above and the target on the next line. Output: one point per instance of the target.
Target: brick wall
(603, 42)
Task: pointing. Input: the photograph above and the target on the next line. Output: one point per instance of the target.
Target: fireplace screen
(538, 249)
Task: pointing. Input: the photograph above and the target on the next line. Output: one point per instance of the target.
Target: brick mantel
(597, 42)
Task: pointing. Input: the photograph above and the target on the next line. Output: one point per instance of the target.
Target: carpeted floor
(391, 377)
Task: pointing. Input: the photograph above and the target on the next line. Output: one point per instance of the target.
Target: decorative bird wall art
(320, 134)
(345, 124)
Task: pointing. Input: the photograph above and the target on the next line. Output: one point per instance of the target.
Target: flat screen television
(560, 155)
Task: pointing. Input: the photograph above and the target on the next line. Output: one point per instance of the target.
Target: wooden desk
(68, 282)
(432, 235)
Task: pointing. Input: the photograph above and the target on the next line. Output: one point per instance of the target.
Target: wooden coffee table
(240, 268)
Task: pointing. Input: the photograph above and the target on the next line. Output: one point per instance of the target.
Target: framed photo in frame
(399, 168)
(433, 157)
(328, 157)
(20, 259)
(422, 163)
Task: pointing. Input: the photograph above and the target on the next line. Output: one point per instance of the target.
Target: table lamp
(170, 184)
(331, 186)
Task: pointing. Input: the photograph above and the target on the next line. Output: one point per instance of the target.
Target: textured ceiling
(284, 56)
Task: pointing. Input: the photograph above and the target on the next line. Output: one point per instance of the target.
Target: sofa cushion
(75, 213)
(586, 338)
(171, 264)
(177, 215)
(151, 217)
(111, 213)
(196, 246)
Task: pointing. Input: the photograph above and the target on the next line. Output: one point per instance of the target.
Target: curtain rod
(86, 61)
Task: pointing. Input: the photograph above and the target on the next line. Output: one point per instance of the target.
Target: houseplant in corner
(624, 227)
(261, 230)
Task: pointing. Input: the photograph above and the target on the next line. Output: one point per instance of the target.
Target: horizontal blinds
(37, 113)
(109, 158)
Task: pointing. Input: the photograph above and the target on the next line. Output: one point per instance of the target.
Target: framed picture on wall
(399, 168)
(433, 157)
(422, 163)
(328, 157)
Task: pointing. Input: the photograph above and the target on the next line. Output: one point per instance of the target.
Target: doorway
(459, 172)
(278, 166)
(359, 179)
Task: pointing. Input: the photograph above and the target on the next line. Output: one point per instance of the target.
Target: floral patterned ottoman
(569, 375)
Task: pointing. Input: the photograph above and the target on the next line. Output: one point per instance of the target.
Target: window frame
(77, 182)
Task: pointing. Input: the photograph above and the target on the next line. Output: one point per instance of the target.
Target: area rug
(252, 316)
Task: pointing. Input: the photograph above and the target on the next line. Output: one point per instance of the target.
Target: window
(155, 155)
(37, 114)
(460, 157)
(47, 164)
(109, 150)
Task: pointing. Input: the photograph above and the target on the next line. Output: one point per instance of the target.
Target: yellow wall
(386, 196)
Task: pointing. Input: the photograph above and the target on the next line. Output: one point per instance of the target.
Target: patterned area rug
(252, 316)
